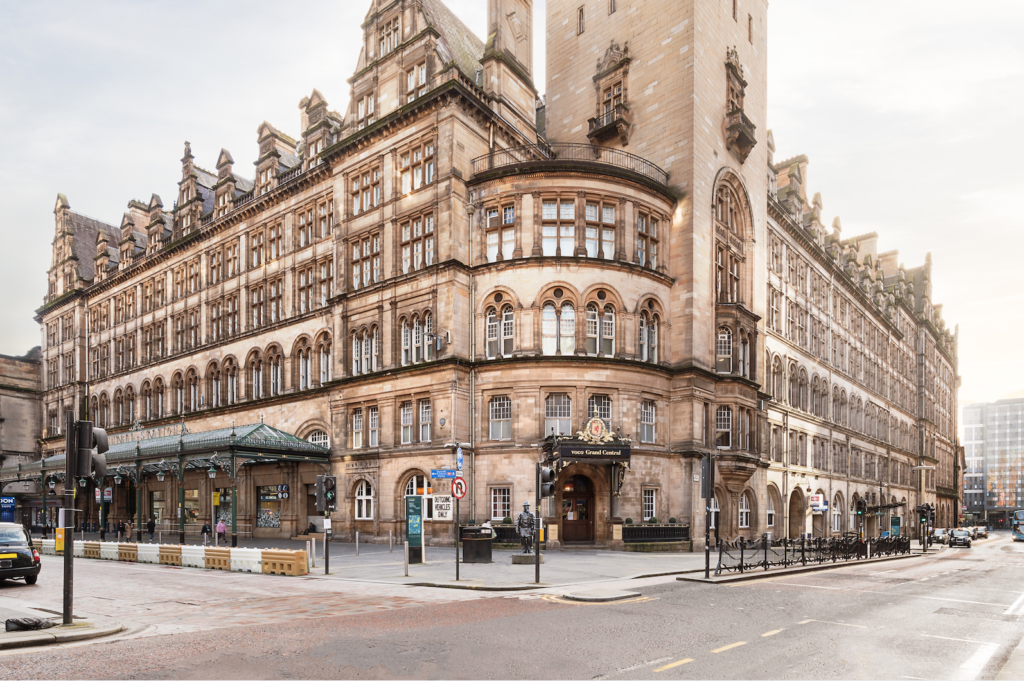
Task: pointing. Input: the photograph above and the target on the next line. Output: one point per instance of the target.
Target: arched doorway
(797, 522)
(577, 509)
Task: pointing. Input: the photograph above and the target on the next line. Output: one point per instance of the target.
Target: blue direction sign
(441, 473)
(458, 458)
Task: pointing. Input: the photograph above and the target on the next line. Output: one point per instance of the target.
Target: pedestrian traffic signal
(330, 493)
(89, 462)
(547, 482)
(320, 494)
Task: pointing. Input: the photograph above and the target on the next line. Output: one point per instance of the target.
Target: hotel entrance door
(577, 509)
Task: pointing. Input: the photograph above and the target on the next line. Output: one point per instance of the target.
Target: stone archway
(797, 514)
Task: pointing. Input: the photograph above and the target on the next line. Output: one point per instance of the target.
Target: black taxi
(18, 558)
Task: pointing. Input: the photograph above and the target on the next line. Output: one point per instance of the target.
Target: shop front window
(270, 506)
(157, 506)
(191, 509)
(224, 506)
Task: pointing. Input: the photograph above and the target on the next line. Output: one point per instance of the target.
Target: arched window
(231, 381)
(324, 359)
(600, 330)
(417, 340)
(723, 427)
(802, 394)
(319, 438)
(715, 512)
(118, 408)
(416, 486)
(816, 396)
(179, 394)
(493, 331)
(192, 380)
(158, 396)
(794, 389)
(406, 343)
(147, 401)
(770, 505)
(275, 365)
(364, 501)
(507, 330)
(837, 514)
(375, 350)
(357, 354)
(213, 385)
(428, 337)
(777, 380)
(557, 414)
(303, 355)
(835, 405)
(723, 351)
(549, 330)
(744, 509)
(255, 378)
(567, 329)
(104, 412)
(649, 337)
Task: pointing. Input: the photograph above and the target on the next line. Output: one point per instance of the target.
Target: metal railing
(569, 153)
(740, 555)
(654, 532)
(612, 114)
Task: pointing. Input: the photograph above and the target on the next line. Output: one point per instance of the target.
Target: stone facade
(428, 269)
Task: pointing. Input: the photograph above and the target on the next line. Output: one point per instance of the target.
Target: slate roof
(85, 230)
(457, 43)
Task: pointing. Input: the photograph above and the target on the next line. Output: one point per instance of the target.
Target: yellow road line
(730, 646)
(771, 633)
(674, 664)
(805, 622)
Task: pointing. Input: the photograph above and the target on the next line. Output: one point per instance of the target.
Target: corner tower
(508, 61)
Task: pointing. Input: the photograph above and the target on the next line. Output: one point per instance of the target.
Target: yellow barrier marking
(730, 646)
(674, 664)
(771, 633)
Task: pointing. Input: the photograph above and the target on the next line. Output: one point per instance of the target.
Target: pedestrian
(128, 531)
(205, 531)
(120, 529)
(221, 530)
(151, 528)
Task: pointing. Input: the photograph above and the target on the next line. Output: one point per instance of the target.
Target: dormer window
(416, 82)
(389, 37)
(223, 204)
(365, 112)
(266, 178)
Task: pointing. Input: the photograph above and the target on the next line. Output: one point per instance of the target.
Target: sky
(911, 114)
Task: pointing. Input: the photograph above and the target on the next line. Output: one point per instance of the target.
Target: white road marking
(966, 640)
(642, 664)
(1016, 603)
(975, 663)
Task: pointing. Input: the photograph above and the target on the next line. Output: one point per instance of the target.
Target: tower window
(580, 20)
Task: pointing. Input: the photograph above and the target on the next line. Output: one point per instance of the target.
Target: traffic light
(547, 482)
(319, 494)
(931, 514)
(862, 506)
(89, 462)
(331, 493)
(922, 512)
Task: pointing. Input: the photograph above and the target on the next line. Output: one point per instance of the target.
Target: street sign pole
(536, 532)
(70, 464)
(457, 539)
(327, 542)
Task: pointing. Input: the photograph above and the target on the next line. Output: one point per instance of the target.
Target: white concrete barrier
(193, 556)
(49, 547)
(149, 553)
(108, 550)
(79, 549)
(246, 560)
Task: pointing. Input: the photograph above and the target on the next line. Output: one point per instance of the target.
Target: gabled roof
(85, 231)
(456, 44)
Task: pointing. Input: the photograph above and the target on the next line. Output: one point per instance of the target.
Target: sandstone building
(449, 261)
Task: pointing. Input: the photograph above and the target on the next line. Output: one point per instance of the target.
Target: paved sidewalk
(83, 628)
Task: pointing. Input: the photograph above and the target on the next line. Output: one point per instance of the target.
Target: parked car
(982, 531)
(960, 538)
(971, 530)
(18, 558)
(940, 536)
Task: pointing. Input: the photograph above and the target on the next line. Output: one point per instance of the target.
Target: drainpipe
(472, 390)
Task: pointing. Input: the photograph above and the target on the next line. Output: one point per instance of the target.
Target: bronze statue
(525, 525)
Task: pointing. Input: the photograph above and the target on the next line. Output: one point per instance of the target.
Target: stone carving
(517, 27)
(612, 56)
